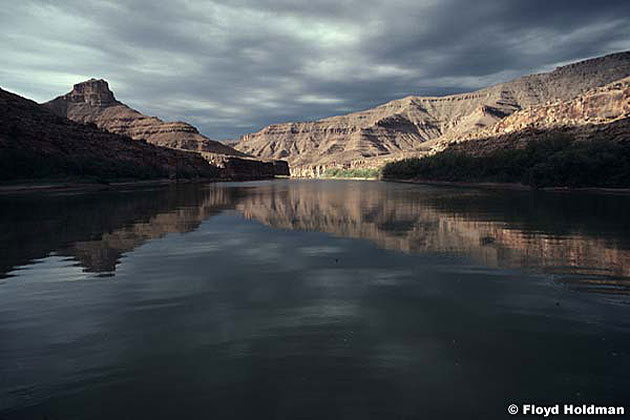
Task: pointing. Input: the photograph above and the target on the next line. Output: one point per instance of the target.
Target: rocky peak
(92, 101)
(94, 92)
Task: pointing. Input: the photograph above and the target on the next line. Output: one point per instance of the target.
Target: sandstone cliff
(403, 127)
(601, 105)
(93, 102)
(35, 143)
(602, 112)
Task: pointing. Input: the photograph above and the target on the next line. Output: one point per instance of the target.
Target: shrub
(545, 163)
(351, 173)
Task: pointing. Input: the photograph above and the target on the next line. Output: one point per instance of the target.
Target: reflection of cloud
(388, 277)
(51, 269)
(314, 251)
(323, 313)
(397, 355)
(268, 253)
(357, 279)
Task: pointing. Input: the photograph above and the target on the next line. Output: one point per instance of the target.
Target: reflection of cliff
(97, 228)
(102, 254)
(583, 239)
(499, 231)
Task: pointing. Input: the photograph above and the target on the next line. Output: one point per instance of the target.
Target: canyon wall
(37, 144)
(413, 125)
(92, 102)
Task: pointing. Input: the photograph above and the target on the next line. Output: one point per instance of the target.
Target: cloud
(231, 68)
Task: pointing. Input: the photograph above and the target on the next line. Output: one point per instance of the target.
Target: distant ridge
(415, 124)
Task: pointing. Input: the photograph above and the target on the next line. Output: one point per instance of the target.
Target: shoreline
(346, 178)
(511, 186)
(89, 186)
(84, 185)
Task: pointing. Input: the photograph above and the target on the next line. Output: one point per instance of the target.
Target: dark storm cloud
(233, 67)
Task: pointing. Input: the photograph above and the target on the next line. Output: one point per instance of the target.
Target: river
(317, 299)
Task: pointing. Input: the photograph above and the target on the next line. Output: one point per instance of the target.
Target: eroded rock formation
(410, 126)
(93, 102)
(600, 113)
(35, 143)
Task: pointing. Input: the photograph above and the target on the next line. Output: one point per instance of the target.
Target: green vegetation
(351, 173)
(560, 162)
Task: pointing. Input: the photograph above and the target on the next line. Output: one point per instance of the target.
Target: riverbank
(78, 185)
(511, 186)
(556, 163)
(86, 186)
(347, 178)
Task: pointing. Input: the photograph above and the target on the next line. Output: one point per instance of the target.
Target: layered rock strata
(92, 102)
(410, 126)
(35, 143)
(600, 113)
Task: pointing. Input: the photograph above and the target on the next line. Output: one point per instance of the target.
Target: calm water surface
(311, 299)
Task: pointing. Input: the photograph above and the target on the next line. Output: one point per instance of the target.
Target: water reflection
(97, 229)
(582, 239)
(224, 314)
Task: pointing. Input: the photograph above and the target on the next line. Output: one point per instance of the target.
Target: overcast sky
(233, 67)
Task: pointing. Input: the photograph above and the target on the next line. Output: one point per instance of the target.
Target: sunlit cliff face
(583, 247)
